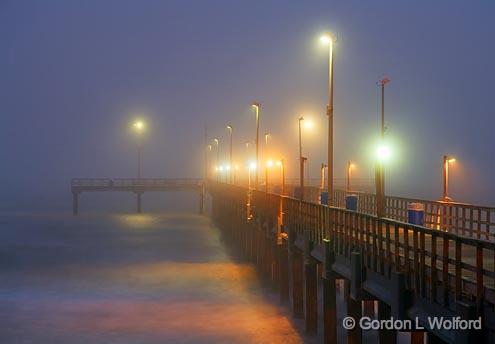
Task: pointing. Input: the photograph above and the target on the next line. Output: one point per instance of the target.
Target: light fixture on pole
(447, 160)
(230, 129)
(139, 127)
(330, 40)
(257, 108)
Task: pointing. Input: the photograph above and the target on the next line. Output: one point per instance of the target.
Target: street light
(138, 126)
(350, 166)
(230, 129)
(383, 154)
(322, 175)
(257, 107)
(217, 143)
(281, 164)
(330, 40)
(447, 160)
(301, 160)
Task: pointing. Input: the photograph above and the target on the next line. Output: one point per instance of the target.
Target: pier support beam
(296, 278)
(75, 203)
(310, 287)
(385, 313)
(329, 295)
(138, 194)
(283, 272)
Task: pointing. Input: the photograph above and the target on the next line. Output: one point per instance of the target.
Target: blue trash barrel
(416, 213)
(324, 197)
(297, 192)
(351, 202)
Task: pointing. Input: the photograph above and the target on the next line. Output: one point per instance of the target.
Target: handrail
(436, 262)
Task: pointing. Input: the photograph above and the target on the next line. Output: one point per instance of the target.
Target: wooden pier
(410, 272)
(136, 186)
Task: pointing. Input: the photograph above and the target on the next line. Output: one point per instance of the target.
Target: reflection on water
(129, 279)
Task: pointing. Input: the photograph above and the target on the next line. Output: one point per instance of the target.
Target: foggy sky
(74, 74)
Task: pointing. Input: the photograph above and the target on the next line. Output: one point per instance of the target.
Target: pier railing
(440, 267)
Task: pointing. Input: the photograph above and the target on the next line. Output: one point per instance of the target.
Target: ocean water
(109, 277)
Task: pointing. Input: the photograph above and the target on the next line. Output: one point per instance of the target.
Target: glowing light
(138, 125)
(327, 39)
(351, 166)
(236, 167)
(278, 163)
(269, 163)
(450, 160)
(308, 124)
(383, 153)
(220, 168)
(252, 165)
(227, 167)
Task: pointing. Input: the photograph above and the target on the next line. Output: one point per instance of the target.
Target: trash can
(416, 213)
(351, 202)
(324, 197)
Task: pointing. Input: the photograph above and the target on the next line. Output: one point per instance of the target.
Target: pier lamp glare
(227, 167)
(383, 153)
(220, 168)
(252, 165)
(138, 125)
(278, 163)
(451, 160)
(269, 163)
(308, 124)
(236, 167)
(326, 39)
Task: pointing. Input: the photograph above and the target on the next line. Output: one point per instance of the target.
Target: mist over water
(119, 277)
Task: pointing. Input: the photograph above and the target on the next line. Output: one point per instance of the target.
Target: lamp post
(139, 128)
(301, 160)
(322, 175)
(207, 163)
(447, 159)
(257, 107)
(217, 143)
(350, 166)
(281, 164)
(329, 39)
(230, 129)
(379, 170)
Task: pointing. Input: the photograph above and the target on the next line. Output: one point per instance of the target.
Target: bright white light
(252, 165)
(383, 153)
(326, 39)
(227, 167)
(269, 163)
(308, 124)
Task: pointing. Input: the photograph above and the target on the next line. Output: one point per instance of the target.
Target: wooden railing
(439, 265)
